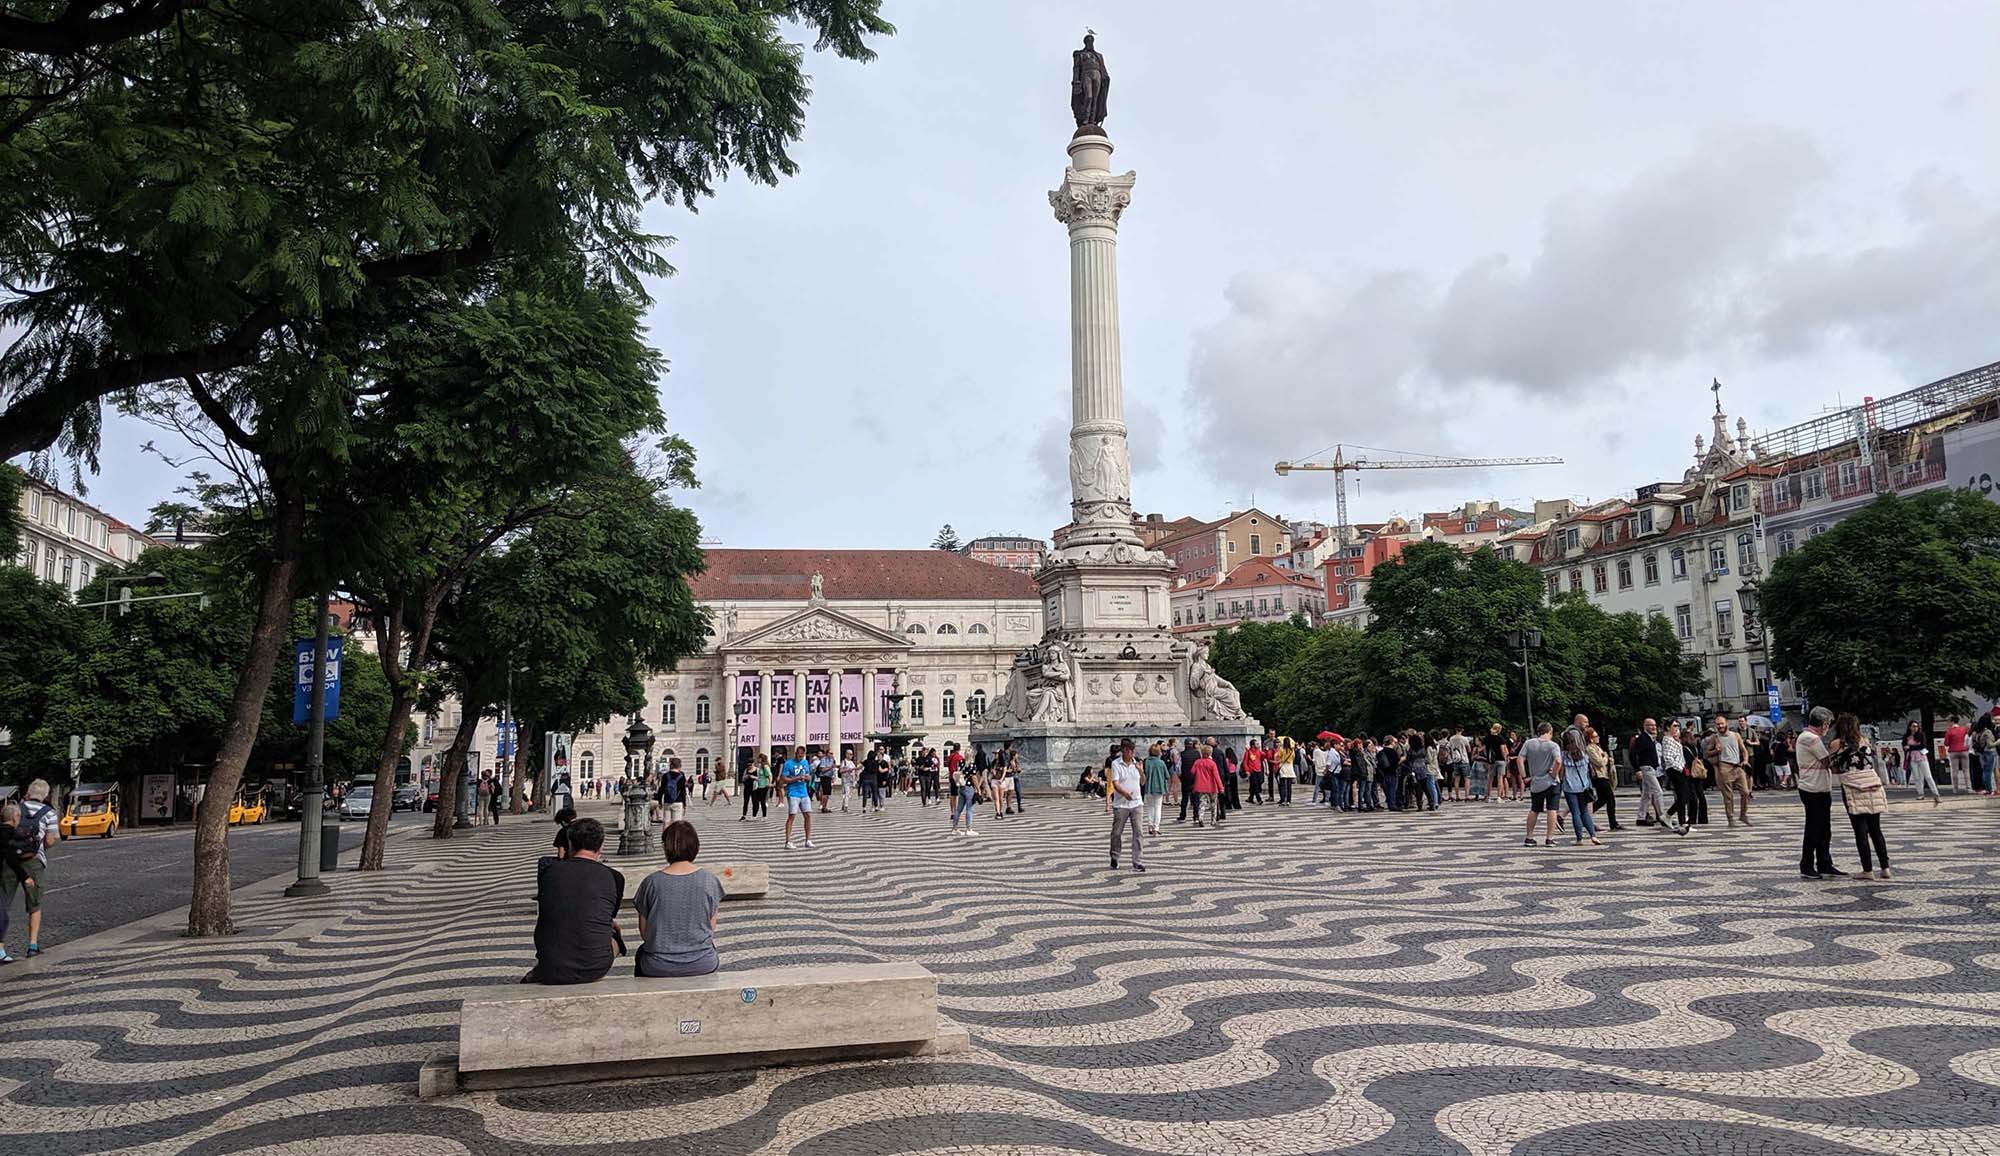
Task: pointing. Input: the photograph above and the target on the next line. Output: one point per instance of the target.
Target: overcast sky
(1520, 228)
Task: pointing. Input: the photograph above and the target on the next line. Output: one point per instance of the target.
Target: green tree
(1449, 613)
(11, 482)
(153, 685)
(552, 367)
(41, 635)
(256, 206)
(947, 539)
(229, 177)
(1892, 610)
(1255, 656)
(1436, 653)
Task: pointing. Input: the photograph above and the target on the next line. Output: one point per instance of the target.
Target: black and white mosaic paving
(1295, 982)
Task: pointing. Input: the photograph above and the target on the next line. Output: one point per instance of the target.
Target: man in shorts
(1542, 755)
(796, 776)
(34, 832)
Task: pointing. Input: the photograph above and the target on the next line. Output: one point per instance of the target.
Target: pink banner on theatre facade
(749, 720)
(850, 708)
(784, 712)
(819, 710)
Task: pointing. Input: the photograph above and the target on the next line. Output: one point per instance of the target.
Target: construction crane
(1339, 465)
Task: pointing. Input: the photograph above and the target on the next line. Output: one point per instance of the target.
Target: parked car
(406, 798)
(357, 802)
(248, 808)
(93, 810)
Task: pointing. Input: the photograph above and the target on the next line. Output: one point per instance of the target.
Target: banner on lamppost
(302, 650)
(784, 711)
(850, 708)
(1777, 712)
(749, 712)
(819, 709)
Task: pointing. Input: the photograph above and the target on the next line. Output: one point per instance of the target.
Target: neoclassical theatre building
(805, 640)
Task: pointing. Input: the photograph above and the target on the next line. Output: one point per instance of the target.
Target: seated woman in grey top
(676, 907)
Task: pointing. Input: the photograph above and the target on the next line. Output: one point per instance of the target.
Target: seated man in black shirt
(576, 928)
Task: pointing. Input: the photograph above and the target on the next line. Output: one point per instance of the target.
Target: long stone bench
(739, 880)
(527, 1035)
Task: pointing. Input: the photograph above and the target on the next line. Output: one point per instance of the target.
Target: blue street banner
(302, 679)
(505, 738)
(1777, 712)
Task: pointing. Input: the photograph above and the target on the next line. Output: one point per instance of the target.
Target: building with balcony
(66, 540)
(1687, 551)
(1213, 549)
(1943, 433)
(1259, 590)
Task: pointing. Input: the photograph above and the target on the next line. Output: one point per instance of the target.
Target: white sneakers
(809, 842)
(791, 846)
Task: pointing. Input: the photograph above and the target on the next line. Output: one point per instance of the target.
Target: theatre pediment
(816, 628)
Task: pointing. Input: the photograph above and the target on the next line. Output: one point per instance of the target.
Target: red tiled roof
(786, 576)
(1260, 572)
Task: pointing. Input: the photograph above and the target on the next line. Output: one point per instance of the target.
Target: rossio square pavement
(1295, 982)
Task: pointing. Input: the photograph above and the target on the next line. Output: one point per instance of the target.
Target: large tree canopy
(1892, 611)
(1436, 653)
(187, 188)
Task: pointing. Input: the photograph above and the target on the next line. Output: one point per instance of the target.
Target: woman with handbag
(1673, 764)
(1862, 791)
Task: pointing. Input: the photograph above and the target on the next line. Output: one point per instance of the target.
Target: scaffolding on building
(1892, 443)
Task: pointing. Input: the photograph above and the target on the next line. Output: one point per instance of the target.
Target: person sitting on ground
(576, 924)
(1090, 783)
(677, 907)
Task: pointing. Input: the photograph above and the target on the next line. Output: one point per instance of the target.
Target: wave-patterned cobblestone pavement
(1293, 983)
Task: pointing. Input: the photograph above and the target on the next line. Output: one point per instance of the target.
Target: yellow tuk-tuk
(92, 810)
(248, 808)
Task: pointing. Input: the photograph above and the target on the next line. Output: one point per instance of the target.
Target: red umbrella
(1328, 735)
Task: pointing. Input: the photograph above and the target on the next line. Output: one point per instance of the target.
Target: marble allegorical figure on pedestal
(1040, 689)
(1215, 697)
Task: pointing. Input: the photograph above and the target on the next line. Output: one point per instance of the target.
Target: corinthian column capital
(1090, 197)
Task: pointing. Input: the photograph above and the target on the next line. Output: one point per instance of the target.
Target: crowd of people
(1565, 780)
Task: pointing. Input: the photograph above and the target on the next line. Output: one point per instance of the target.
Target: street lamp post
(310, 804)
(1527, 640)
(636, 833)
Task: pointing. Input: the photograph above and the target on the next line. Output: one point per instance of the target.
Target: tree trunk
(523, 767)
(208, 905)
(402, 677)
(401, 702)
(454, 769)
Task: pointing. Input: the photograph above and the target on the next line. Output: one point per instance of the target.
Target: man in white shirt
(1125, 801)
(1816, 792)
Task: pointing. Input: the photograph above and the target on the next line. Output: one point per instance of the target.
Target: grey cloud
(1629, 277)
(1928, 302)
(1681, 267)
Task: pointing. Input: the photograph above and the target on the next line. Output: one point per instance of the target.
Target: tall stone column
(1090, 201)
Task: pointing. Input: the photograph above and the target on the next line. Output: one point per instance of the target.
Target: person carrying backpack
(26, 861)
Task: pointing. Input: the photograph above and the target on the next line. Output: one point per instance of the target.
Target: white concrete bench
(739, 880)
(528, 1035)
